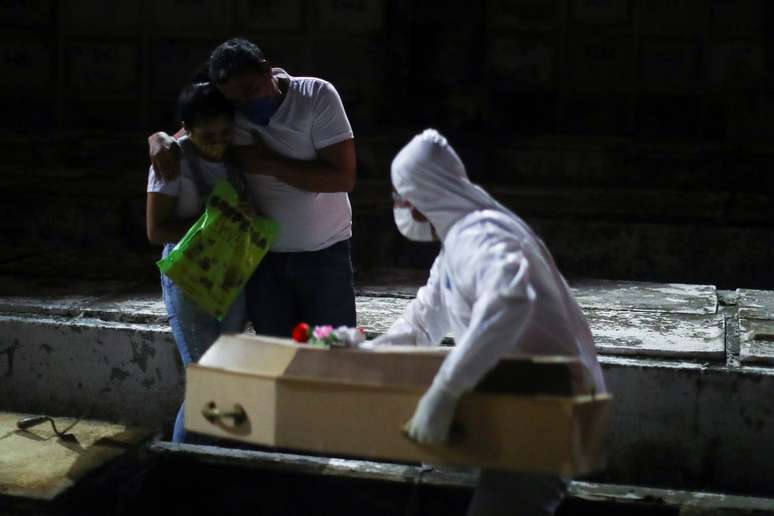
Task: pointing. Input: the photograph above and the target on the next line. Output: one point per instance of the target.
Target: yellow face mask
(210, 151)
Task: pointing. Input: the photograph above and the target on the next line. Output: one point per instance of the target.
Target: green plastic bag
(216, 257)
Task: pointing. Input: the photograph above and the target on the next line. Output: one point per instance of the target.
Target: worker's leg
(502, 493)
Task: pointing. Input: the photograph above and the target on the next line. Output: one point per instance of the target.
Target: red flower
(301, 332)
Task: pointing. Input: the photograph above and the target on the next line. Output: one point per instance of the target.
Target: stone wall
(633, 135)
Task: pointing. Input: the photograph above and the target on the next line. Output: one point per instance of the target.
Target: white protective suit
(496, 287)
(494, 283)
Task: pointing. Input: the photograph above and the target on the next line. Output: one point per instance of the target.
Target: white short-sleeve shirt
(190, 202)
(310, 117)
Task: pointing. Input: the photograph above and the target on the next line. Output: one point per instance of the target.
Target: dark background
(633, 135)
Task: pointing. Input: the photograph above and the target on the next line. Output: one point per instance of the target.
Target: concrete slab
(52, 296)
(679, 422)
(81, 366)
(377, 314)
(36, 464)
(646, 334)
(676, 298)
(55, 305)
(689, 425)
(391, 283)
(756, 341)
(683, 416)
(134, 307)
(591, 294)
(756, 304)
(107, 300)
(654, 334)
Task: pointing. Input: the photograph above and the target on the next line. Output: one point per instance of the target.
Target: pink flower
(322, 332)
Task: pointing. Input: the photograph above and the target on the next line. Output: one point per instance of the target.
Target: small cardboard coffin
(354, 402)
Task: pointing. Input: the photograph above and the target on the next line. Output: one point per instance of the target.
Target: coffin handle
(214, 415)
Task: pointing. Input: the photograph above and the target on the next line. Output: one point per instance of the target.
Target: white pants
(501, 493)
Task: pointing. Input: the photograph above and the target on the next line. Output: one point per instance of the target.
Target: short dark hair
(232, 58)
(202, 101)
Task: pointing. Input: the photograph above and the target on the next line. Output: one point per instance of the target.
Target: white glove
(400, 334)
(432, 419)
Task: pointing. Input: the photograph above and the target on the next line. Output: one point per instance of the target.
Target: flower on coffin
(325, 336)
(301, 332)
(350, 337)
(322, 332)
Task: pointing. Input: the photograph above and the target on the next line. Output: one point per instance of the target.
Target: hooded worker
(495, 286)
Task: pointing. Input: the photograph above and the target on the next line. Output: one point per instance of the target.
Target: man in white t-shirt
(296, 146)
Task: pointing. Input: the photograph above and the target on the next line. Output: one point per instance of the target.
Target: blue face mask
(260, 110)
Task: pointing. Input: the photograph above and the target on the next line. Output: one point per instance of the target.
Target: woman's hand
(164, 155)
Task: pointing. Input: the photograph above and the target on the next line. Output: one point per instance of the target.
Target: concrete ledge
(686, 420)
(625, 496)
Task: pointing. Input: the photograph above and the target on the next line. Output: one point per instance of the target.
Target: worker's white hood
(429, 174)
